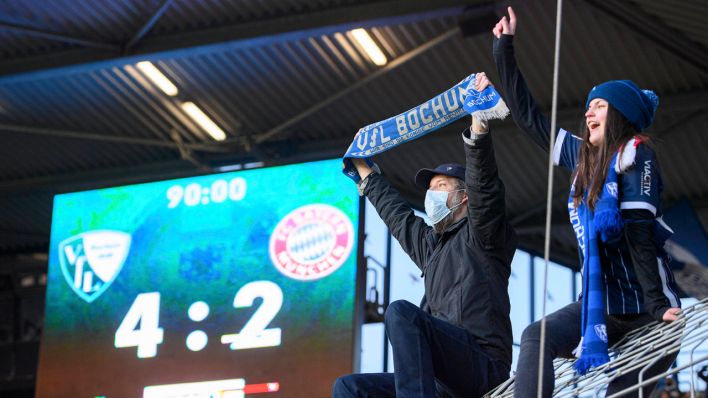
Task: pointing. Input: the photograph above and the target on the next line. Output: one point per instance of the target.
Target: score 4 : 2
(140, 326)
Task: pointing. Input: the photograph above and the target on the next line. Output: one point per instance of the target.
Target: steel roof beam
(279, 129)
(170, 169)
(676, 126)
(148, 25)
(44, 34)
(84, 135)
(655, 30)
(320, 22)
(256, 33)
(685, 102)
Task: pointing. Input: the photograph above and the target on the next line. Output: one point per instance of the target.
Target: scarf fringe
(498, 111)
(589, 361)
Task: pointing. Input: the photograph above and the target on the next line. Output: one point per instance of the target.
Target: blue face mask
(436, 205)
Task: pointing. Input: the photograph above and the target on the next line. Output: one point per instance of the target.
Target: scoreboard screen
(227, 285)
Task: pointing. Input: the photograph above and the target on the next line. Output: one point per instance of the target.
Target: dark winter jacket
(467, 267)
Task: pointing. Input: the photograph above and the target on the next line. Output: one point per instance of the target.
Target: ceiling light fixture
(158, 78)
(229, 167)
(203, 120)
(372, 50)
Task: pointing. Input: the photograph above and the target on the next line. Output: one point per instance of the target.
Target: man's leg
(426, 348)
(365, 385)
(562, 336)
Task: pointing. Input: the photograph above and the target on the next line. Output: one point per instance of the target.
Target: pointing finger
(512, 19)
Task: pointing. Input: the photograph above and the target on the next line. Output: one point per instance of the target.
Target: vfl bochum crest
(91, 261)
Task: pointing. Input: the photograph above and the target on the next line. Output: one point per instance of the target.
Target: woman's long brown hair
(593, 161)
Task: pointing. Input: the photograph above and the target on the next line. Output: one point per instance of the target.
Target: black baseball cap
(423, 177)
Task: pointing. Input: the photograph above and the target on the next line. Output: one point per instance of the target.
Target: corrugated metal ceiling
(285, 97)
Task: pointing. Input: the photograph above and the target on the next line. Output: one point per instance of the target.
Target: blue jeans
(431, 358)
(562, 336)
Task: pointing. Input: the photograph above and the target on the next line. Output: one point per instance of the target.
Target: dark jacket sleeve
(516, 94)
(408, 229)
(486, 207)
(639, 232)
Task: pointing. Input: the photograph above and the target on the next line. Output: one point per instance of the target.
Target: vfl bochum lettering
(577, 227)
(421, 117)
(433, 114)
(376, 133)
(436, 108)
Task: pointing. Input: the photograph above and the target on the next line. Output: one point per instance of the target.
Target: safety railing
(638, 350)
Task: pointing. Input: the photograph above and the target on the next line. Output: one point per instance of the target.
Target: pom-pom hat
(637, 105)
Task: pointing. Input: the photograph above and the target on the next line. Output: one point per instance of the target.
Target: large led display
(226, 285)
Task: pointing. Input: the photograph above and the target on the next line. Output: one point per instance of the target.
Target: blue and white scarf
(433, 114)
(605, 223)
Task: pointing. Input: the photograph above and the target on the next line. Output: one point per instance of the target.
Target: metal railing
(637, 350)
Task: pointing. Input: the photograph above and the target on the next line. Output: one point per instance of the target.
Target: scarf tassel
(588, 361)
(498, 111)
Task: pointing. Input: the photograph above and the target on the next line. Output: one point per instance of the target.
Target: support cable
(549, 198)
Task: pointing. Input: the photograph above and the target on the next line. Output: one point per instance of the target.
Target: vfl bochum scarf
(604, 223)
(433, 114)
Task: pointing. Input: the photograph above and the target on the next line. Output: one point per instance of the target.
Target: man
(459, 342)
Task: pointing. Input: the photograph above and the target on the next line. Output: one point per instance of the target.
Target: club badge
(311, 242)
(91, 261)
(601, 332)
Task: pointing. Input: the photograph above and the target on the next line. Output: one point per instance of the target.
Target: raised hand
(505, 26)
(362, 168)
(481, 81)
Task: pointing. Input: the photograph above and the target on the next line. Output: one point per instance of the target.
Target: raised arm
(486, 210)
(523, 108)
(485, 190)
(408, 229)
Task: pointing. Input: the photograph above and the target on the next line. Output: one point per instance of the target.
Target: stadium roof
(286, 82)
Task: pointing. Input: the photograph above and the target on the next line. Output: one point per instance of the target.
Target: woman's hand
(671, 314)
(504, 26)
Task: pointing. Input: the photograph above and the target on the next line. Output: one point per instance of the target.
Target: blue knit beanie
(637, 105)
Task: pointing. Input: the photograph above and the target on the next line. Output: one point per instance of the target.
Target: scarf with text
(433, 114)
(605, 224)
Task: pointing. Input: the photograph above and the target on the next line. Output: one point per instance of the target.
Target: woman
(614, 207)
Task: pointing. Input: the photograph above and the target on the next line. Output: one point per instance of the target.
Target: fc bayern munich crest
(311, 242)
